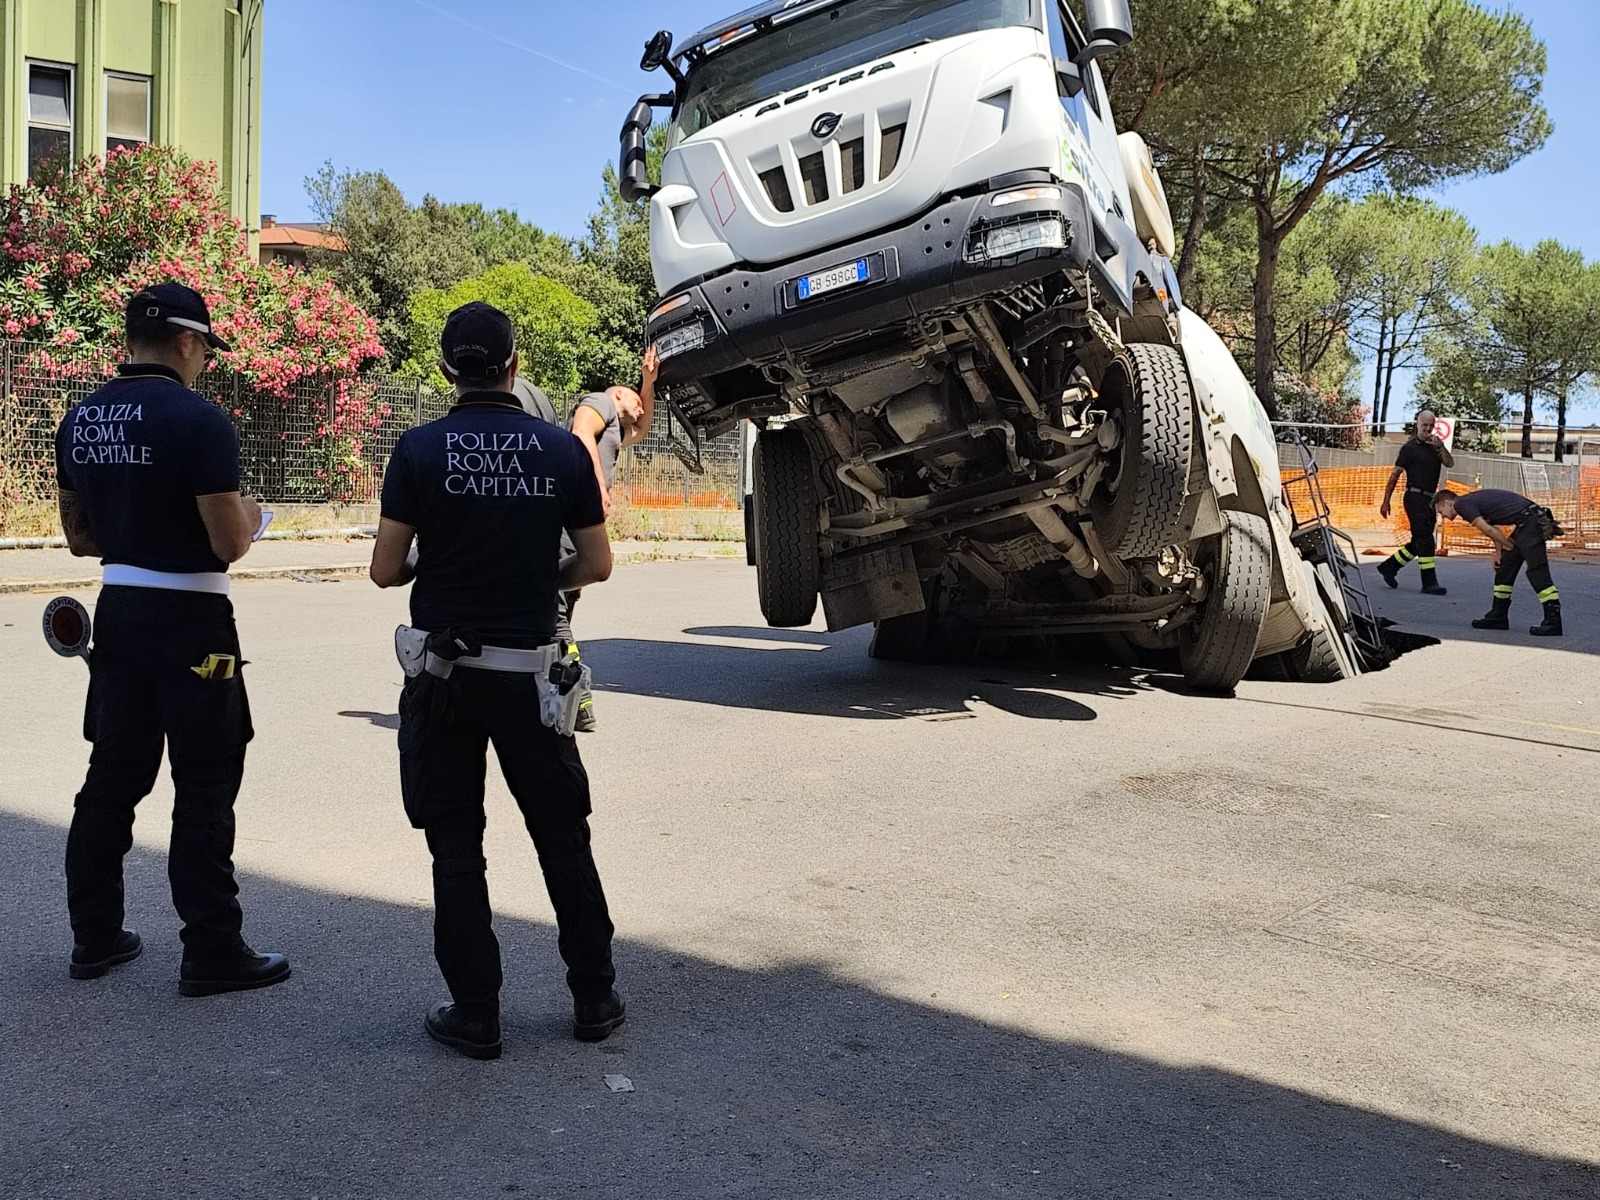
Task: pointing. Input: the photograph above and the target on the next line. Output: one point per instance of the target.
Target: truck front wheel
(1216, 647)
(785, 527)
(1138, 506)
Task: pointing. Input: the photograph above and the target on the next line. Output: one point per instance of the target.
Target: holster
(561, 691)
(1545, 522)
(560, 680)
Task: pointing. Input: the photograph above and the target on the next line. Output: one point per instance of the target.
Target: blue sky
(516, 104)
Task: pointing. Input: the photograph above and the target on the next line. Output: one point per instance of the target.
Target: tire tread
(1145, 521)
(1220, 654)
(787, 570)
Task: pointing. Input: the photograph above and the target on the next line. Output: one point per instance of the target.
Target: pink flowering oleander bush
(75, 245)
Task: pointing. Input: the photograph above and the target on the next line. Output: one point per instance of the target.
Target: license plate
(808, 287)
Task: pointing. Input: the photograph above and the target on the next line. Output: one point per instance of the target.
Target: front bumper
(931, 265)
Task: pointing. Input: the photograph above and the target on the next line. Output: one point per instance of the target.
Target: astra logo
(775, 105)
(822, 128)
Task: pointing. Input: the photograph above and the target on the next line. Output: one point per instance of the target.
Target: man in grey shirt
(607, 423)
(534, 402)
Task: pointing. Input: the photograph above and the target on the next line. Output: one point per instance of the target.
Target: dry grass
(29, 519)
(628, 523)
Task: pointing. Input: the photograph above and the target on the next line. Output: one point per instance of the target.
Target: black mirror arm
(1098, 48)
(632, 168)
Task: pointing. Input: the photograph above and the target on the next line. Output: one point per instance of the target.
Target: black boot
(475, 1033)
(1390, 569)
(1552, 621)
(594, 1020)
(237, 972)
(1430, 584)
(91, 962)
(1498, 616)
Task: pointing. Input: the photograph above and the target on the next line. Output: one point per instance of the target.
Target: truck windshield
(824, 43)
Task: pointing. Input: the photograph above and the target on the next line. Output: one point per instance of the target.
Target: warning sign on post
(1445, 428)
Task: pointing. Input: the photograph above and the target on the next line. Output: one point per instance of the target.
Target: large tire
(1322, 657)
(785, 526)
(1215, 649)
(1137, 507)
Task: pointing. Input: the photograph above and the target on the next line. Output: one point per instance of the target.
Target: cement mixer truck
(905, 240)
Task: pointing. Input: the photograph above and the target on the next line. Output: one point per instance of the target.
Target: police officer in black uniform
(486, 492)
(149, 483)
(1421, 460)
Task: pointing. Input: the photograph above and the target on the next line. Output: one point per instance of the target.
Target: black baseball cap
(478, 342)
(176, 305)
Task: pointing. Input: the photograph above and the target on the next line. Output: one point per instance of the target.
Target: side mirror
(656, 51)
(1110, 28)
(633, 174)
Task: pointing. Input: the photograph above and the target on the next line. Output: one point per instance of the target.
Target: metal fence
(321, 443)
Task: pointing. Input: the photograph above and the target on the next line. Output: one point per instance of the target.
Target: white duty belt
(558, 710)
(214, 583)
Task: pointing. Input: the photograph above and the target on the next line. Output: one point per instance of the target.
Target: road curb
(80, 583)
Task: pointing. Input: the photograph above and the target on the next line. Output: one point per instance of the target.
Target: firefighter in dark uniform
(1421, 460)
(486, 492)
(1531, 526)
(149, 484)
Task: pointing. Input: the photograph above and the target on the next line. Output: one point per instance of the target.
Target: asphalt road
(885, 931)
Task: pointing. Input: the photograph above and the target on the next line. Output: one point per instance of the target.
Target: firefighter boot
(1552, 621)
(1430, 583)
(1498, 616)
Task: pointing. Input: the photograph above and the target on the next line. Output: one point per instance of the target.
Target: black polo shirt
(489, 490)
(1495, 505)
(1422, 465)
(137, 452)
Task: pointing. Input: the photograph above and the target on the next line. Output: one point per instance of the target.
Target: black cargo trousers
(1423, 520)
(443, 762)
(143, 694)
(1527, 547)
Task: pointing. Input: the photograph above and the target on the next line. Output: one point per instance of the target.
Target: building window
(49, 116)
(127, 110)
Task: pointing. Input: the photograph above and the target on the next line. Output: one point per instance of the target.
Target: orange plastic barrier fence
(648, 497)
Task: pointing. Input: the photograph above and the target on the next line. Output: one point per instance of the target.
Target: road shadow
(381, 720)
(784, 1082)
(817, 674)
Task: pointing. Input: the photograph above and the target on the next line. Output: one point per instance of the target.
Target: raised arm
(75, 524)
(647, 401)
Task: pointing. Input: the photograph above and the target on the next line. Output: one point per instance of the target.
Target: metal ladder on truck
(1332, 552)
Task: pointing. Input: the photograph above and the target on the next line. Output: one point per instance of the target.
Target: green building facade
(80, 76)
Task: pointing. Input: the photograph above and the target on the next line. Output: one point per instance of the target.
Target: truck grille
(867, 155)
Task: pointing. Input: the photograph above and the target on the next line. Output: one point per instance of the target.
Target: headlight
(1047, 232)
(676, 341)
(1047, 191)
(669, 306)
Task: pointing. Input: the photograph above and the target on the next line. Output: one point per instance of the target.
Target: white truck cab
(905, 239)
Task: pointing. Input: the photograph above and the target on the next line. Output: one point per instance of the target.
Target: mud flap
(871, 587)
